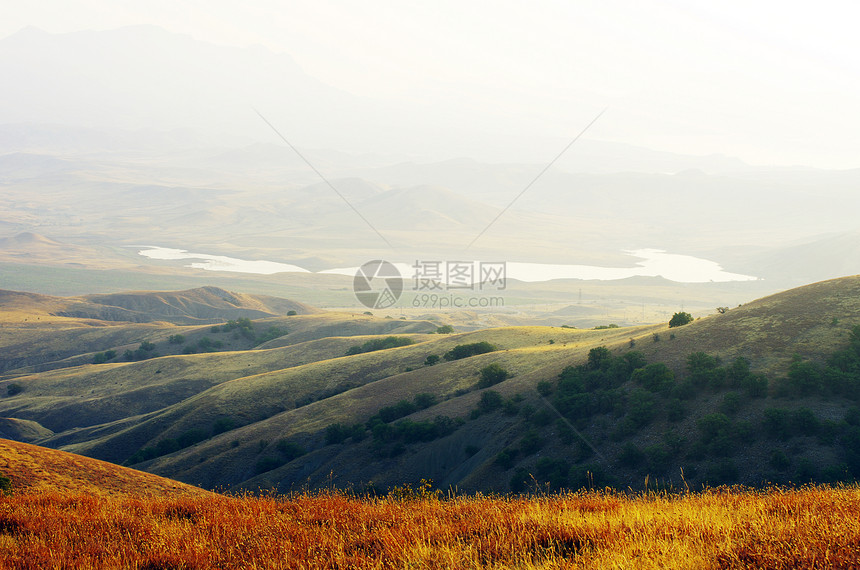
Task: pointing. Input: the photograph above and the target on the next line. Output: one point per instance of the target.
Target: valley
(236, 392)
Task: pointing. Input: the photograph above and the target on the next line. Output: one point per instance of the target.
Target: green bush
(265, 464)
(400, 409)
(704, 370)
(491, 375)
(506, 458)
(531, 442)
(222, 425)
(659, 458)
(336, 433)
(466, 350)
(380, 344)
(731, 403)
(675, 411)
(680, 319)
(423, 401)
(804, 378)
(656, 377)
(630, 455)
(641, 408)
(553, 471)
(776, 423)
(290, 450)
(431, 360)
(490, 401)
(14, 389)
(102, 357)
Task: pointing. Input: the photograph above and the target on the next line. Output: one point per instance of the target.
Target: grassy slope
(259, 389)
(767, 332)
(36, 469)
(528, 355)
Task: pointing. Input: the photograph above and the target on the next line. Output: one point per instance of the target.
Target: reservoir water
(647, 263)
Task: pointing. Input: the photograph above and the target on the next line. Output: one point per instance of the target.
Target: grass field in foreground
(813, 527)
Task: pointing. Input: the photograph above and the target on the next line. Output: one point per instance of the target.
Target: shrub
(102, 357)
(776, 423)
(268, 463)
(13, 389)
(553, 471)
(270, 334)
(291, 313)
(222, 425)
(599, 358)
(642, 408)
(176, 339)
(290, 450)
(431, 360)
(423, 401)
(5, 485)
(680, 319)
(400, 409)
(630, 455)
(380, 344)
(804, 378)
(506, 458)
(492, 374)
(655, 377)
(544, 388)
(731, 403)
(466, 350)
(490, 401)
(336, 433)
(659, 458)
(675, 410)
(755, 386)
(531, 442)
(803, 422)
(705, 370)
(445, 329)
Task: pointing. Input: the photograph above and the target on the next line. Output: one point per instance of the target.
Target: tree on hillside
(680, 319)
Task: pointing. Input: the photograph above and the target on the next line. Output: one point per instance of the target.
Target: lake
(647, 263)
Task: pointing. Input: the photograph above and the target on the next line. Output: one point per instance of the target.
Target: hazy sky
(770, 82)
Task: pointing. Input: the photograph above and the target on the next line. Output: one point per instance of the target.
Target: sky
(774, 83)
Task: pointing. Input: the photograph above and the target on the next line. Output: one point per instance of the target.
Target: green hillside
(751, 395)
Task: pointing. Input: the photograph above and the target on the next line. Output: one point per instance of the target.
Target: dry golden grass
(35, 469)
(805, 528)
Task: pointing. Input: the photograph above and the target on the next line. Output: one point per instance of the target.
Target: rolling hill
(750, 395)
(34, 469)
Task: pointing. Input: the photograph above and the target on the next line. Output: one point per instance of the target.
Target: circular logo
(377, 284)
